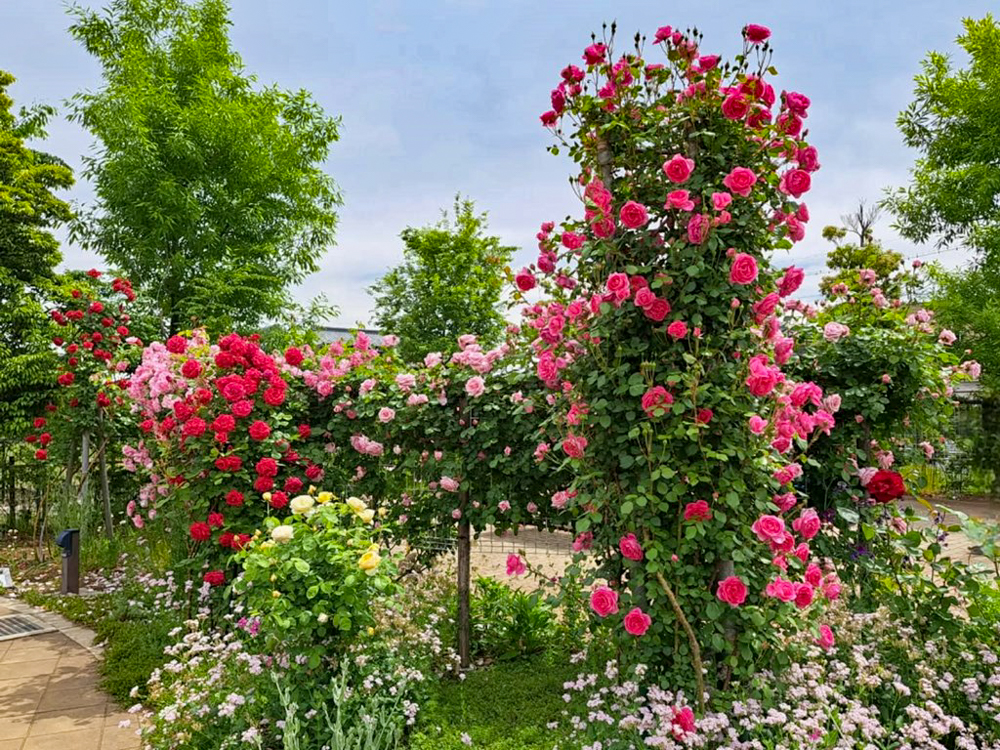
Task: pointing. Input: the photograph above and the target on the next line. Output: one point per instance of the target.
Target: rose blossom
(825, 640)
(630, 548)
(637, 622)
(834, 332)
(769, 528)
(755, 33)
(807, 524)
(743, 269)
(525, 280)
(633, 215)
(757, 424)
(604, 601)
(697, 511)
(679, 199)
(740, 180)
(732, 591)
(678, 168)
(677, 330)
(475, 386)
(790, 281)
(385, 414)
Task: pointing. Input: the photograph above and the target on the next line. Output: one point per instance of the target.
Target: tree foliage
(954, 123)
(449, 283)
(210, 195)
(29, 210)
(848, 259)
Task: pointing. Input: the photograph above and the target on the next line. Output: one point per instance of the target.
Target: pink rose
(732, 591)
(475, 386)
(735, 107)
(785, 502)
(448, 484)
(825, 640)
(679, 199)
(630, 548)
(834, 332)
(807, 158)
(604, 601)
(677, 330)
(644, 297)
(755, 34)
(813, 575)
(743, 269)
(515, 565)
(790, 281)
(803, 595)
(795, 182)
(572, 240)
(757, 425)
(697, 511)
(633, 215)
(574, 445)
(657, 310)
(769, 528)
(780, 589)
(721, 200)
(741, 181)
(655, 401)
(637, 622)
(697, 229)
(678, 168)
(618, 285)
(797, 103)
(385, 414)
(807, 524)
(594, 54)
(525, 280)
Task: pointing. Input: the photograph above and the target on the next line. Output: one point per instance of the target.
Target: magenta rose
(732, 591)
(633, 215)
(697, 511)
(637, 622)
(657, 310)
(677, 330)
(572, 240)
(790, 281)
(678, 168)
(697, 229)
(618, 285)
(655, 399)
(735, 107)
(630, 548)
(259, 430)
(604, 601)
(825, 640)
(740, 180)
(525, 280)
(679, 199)
(743, 270)
(644, 297)
(797, 103)
(803, 595)
(781, 589)
(795, 182)
(755, 33)
(807, 525)
(574, 445)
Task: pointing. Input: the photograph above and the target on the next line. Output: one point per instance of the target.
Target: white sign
(5, 580)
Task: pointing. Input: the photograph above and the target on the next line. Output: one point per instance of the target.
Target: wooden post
(84, 471)
(12, 490)
(106, 491)
(464, 574)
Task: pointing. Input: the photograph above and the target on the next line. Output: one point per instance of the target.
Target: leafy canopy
(29, 210)
(954, 122)
(450, 283)
(210, 195)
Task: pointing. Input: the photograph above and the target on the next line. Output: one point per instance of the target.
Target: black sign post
(69, 540)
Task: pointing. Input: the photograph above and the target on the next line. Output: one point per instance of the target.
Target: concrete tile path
(49, 694)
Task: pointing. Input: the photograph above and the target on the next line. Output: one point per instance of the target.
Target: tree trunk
(84, 472)
(464, 574)
(11, 486)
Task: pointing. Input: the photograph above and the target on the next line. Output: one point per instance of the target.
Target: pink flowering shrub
(662, 345)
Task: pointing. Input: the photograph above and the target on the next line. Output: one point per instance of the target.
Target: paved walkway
(49, 694)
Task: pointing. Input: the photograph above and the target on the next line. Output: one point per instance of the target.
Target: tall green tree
(954, 124)
(849, 257)
(210, 192)
(450, 283)
(29, 253)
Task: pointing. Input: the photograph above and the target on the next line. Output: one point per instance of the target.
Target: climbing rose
(757, 424)
(574, 445)
(834, 332)
(885, 486)
(795, 182)
(234, 498)
(807, 524)
(791, 281)
(475, 386)
(740, 180)
(200, 531)
(678, 168)
(259, 430)
(630, 548)
(214, 578)
(604, 601)
(655, 401)
(825, 639)
(769, 528)
(755, 33)
(525, 280)
(191, 369)
(657, 310)
(743, 269)
(293, 356)
(677, 330)
(267, 467)
(637, 622)
(633, 215)
(515, 565)
(732, 591)
(697, 511)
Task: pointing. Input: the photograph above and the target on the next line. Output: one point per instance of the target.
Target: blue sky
(443, 96)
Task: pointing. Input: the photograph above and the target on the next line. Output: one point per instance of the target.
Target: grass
(504, 707)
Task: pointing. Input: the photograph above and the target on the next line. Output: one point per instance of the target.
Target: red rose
(279, 500)
(293, 485)
(267, 467)
(243, 408)
(194, 427)
(259, 430)
(293, 356)
(234, 498)
(223, 423)
(732, 591)
(200, 531)
(305, 431)
(41, 454)
(214, 578)
(176, 344)
(191, 369)
(314, 472)
(263, 484)
(274, 396)
(215, 520)
(885, 486)
(657, 310)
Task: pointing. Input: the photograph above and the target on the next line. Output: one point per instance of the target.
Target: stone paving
(49, 694)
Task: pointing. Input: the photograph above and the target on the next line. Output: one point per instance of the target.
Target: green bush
(133, 649)
(509, 624)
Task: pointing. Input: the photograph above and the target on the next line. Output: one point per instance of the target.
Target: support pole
(464, 574)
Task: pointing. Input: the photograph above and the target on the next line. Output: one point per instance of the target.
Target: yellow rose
(383, 512)
(324, 497)
(370, 560)
(367, 515)
(356, 504)
(268, 544)
(276, 594)
(267, 496)
(301, 504)
(371, 630)
(312, 489)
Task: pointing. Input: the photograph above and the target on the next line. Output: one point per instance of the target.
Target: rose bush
(662, 346)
